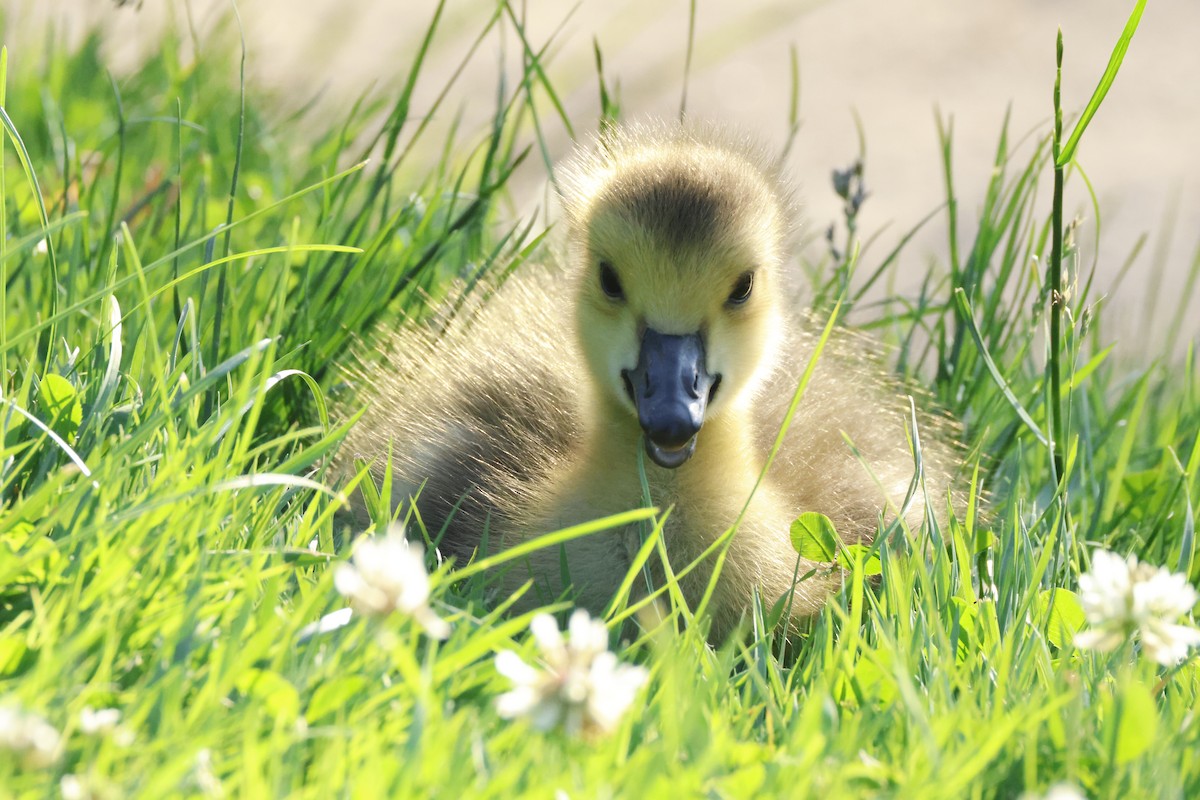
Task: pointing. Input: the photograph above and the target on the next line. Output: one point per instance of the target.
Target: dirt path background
(891, 61)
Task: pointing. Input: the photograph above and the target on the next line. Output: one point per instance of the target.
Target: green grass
(207, 263)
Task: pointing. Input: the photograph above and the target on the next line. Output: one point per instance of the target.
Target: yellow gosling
(671, 329)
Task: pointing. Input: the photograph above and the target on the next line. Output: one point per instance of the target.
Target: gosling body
(670, 334)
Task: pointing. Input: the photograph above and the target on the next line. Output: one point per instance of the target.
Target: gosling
(671, 335)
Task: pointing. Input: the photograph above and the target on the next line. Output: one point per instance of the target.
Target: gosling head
(676, 242)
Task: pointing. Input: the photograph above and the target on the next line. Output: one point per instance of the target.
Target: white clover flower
(29, 736)
(386, 575)
(578, 683)
(73, 788)
(81, 787)
(204, 777)
(1059, 791)
(105, 722)
(92, 721)
(1125, 600)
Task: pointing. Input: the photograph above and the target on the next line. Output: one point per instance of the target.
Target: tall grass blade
(1067, 153)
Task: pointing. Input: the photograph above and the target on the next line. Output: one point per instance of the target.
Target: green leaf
(1135, 719)
(333, 696)
(968, 629)
(857, 553)
(27, 558)
(1065, 615)
(984, 539)
(14, 653)
(273, 691)
(814, 537)
(744, 782)
(60, 406)
(875, 683)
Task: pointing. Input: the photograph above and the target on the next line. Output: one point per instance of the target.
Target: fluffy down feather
(517, 419)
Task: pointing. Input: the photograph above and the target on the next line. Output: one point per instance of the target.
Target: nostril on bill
(628, 386)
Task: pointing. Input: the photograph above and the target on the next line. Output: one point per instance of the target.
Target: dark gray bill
(670, 387)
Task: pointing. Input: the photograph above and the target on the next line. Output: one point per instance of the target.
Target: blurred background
(892, 65)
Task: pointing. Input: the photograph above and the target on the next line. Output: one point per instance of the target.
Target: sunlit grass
(178, 289)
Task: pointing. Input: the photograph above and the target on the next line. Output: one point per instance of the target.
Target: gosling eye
(741, 289)
(610, 283)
